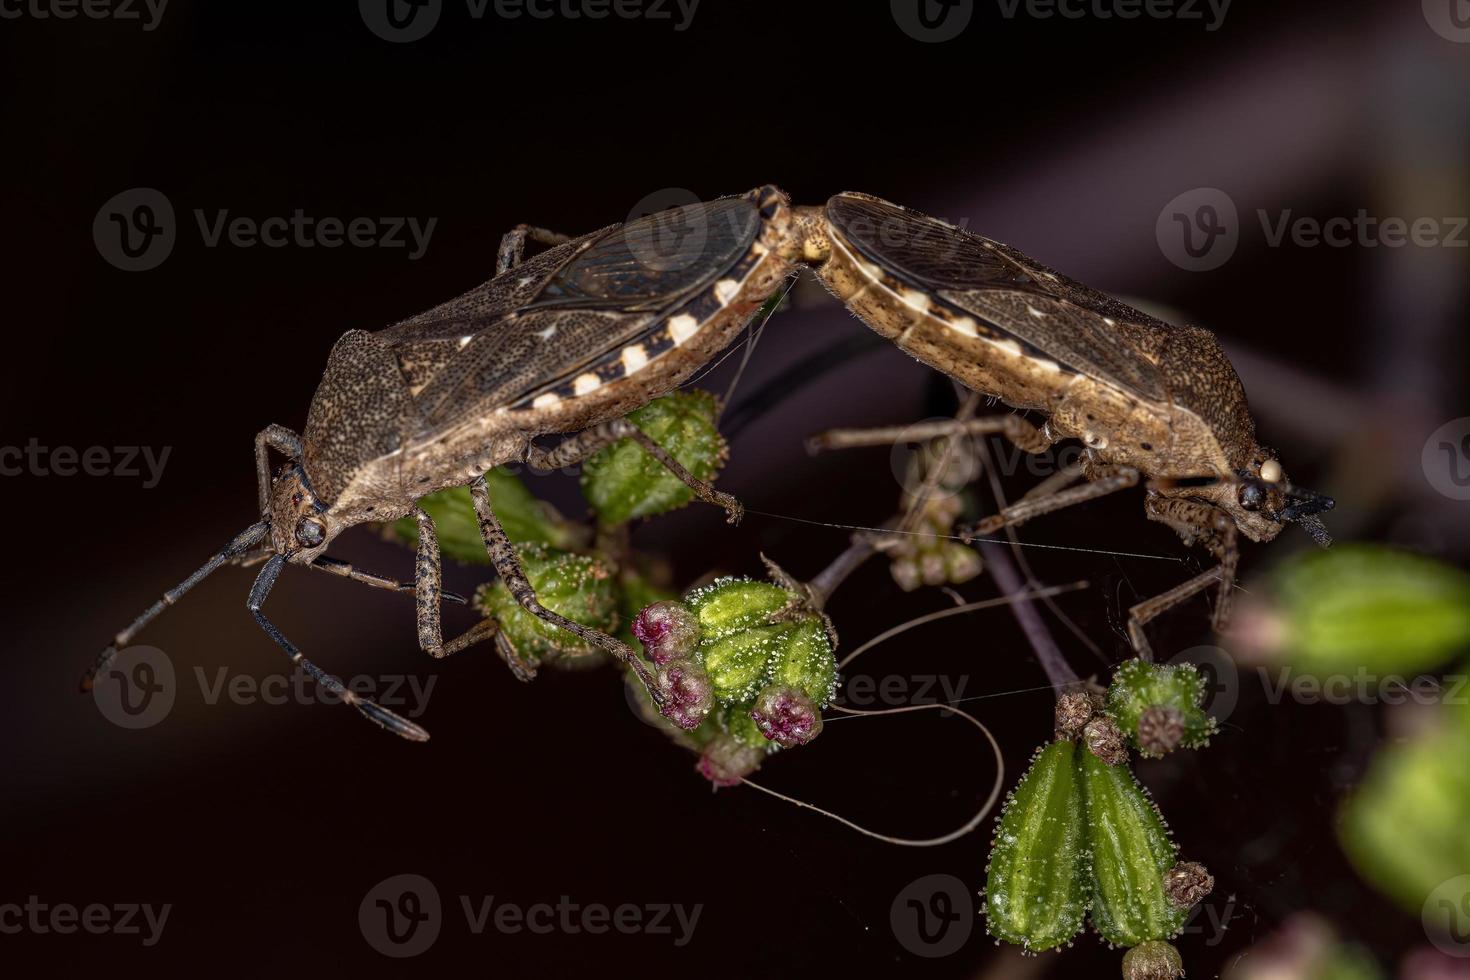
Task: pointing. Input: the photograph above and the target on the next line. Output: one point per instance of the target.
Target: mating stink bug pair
(574, 338)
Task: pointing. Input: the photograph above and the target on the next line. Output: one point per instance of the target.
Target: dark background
(265, 826)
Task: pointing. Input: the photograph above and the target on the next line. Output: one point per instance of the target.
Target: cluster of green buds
(931, 556)
(1079, 838)
(742, 671)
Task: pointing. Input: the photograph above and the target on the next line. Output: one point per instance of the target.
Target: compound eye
(1271, 471)
(310, 533)
(1252, 496)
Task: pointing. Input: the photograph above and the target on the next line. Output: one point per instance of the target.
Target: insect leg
(1152, 608)
(589, 441)
(1017, 430)
(503, 557)
(283, 441)
(427, 590)
(375, 713)
(1028, 507)
(1060, 480)
(242, 542)
(337, 566)
(513, 244)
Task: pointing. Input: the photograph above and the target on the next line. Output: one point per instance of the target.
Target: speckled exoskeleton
(1149, 400)
(568, 341)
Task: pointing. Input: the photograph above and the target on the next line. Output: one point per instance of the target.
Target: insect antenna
(241, 543)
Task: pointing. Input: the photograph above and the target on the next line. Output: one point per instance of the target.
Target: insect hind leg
(503, 556)
(513, 244)
(585, 443)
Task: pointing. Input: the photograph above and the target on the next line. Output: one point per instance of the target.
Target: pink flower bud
(685, 692)
(787, 716)
(668, 631)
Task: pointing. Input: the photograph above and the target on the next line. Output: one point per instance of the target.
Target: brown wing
(1070, 322)
(567, 308)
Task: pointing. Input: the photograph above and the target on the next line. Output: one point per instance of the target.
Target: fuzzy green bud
(579, 587)
(1159, 707)
(1037, 889)
(623, 482)
(1131, 854)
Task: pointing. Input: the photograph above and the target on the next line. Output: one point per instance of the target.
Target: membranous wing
(1065, 320)
(565, 311)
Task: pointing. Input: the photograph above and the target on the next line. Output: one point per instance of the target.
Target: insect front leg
(1105, 482)
(503, 556)
(1195, 523)
(375, 713)
(585, 443)
(283, 441)
(513, 244)
(428, 573)
(345, 569)
(1025, 436)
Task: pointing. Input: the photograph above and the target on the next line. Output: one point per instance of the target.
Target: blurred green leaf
(525, 519)
(623, 481)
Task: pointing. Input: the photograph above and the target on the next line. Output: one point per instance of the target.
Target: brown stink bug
(1148, 400)
(568, 341)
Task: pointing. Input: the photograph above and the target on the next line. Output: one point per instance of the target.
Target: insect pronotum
(574, 338)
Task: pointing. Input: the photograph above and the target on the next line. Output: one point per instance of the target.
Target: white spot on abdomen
(682, 327)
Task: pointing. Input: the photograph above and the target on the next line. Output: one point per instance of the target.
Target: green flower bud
(525, 519)
(579, 587)
(1159, 706)
(623, 481)
(1037, 889)
(730, 604)
(737, 663)
(1131, 854)
(804, 660)
(1153, 960)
